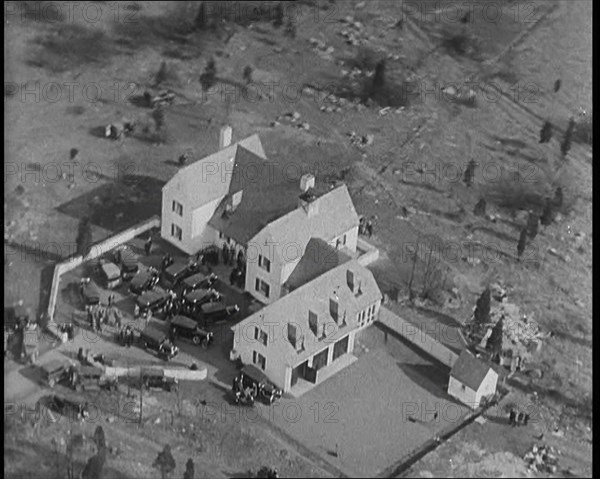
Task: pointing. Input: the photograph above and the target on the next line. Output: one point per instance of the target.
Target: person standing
(148, 245)
(512, 417)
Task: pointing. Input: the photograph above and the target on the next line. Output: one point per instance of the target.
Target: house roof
(314, 297)
(335, 215)
(318, 258)
(469, 370)
(210, 178)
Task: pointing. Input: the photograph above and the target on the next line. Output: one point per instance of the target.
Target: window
(344, 240)
(263, 337)
(178, 208)
(462, 387)
(176, 231)
(259, 359)
(256, 332)
(221, 235)
(264, 263)
(262, 287)
(338, 243)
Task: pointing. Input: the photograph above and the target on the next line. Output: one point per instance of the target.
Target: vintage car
(90, 293)
(184, 327)
(125, 257)
(243, 395)
(178, 271)
(143, 281)
(158, 341)
(55, 371)
(156, 379)
(217, 312)
(88, 378)
(263, 389)
(197, 281)
(156, 301)
(110, 273)
(73, 408)
(193, 301)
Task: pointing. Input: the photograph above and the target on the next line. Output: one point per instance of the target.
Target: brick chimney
(225, 136)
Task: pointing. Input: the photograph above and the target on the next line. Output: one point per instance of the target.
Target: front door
(298, 372)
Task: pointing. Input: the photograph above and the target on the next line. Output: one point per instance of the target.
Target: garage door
(340, 347)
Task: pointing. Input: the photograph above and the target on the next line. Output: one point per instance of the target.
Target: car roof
(154, 333)
(148, 297)
(177, 267)
(147, 372)
(89, 370)
(254, 373)
(197, 294)
(184, 321)
(195, 279)
(91, 289)
(142, 276)
(54, 364)
(212, 307)
(110, 269)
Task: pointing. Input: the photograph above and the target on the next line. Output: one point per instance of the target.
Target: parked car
(263, 389)
(125, 257)
(241, 394)
(156, 379)
(187, 328)
(197, 281)
(86, 378)
(178, 271)
(72, 408)
(55, 371)
(90, 293)
(158, 341)
(217, 312)
(110, 273)
(155, 301)
(193, 301)
(143, 281)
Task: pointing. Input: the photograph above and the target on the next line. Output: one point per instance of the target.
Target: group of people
(518, 418)
(229, 256)
(365, 227)
(126, 336)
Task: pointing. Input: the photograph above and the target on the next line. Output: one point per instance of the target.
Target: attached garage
(340, 347)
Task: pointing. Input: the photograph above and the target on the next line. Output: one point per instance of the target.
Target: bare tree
(434, 276)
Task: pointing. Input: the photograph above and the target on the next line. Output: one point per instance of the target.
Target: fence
(97, 250)
(416, 336)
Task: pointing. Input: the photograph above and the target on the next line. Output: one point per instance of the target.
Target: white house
(471, 380)
(260, 208)
(304, 336)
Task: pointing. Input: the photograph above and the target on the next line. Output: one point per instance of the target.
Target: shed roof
(470, 370)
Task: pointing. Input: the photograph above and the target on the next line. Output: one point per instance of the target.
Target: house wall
(488, 386)
(194, 222)
(254, 271)
(351, 239)
(465, 395)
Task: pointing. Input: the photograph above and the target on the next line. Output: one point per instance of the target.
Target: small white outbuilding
(472, 379)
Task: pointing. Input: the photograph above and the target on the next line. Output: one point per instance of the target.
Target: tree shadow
(118, 205)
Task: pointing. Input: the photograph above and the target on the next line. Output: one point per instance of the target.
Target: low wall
(371, 253)
(199, 374)
(96, 251)
(417, 337)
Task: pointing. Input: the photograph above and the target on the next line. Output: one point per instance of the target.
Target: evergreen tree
(278, 20)
(158, 115)
(482, 308)
(379, 77)
(164, 462)
(532, 225)
(209, 77)
(494, 342)
(469, 173)
(247, 74)
(522, 242)
(480, 208)
(84, 236)
(565, 146)
(558, 198)
(549, 213)
(546, 132)
(189, 469)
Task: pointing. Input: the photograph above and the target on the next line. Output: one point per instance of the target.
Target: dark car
(253, 378)
(143, 281)
(156, 379)
(242, 394)
(125, 257)
(217, 312)
(193, 301)
(55, 371)
(70, 407)
(187, 328)
(155, 301)
(90, 293)
(178, 271)
(158, 341)
(91, 378)
(197, 281)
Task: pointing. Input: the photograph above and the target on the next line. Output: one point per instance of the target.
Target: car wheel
(196, 340)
